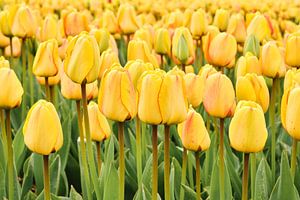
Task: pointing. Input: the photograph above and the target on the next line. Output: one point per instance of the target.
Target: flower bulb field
(149, 99)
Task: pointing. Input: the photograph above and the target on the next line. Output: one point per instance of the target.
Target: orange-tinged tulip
(42, 124)
(252, 87)
(82, 62)
(247, 130)
(198, 24)
(63, 47)
(117, 98)
(221, 19)
(49, 29)
(46, 62)
(4, 63)
(248, 64)
(219, 96)
(193, 133)
(259, 27)
(193, 86)
(74, 23)
(175, 19)
(17, 46)
(4, 41)
(103, 38)
(110, 22)
(162, 41)
(237, 27)
(126, 18)
(292, 47)
(107, 59)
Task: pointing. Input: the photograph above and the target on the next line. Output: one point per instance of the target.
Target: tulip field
(149, 99)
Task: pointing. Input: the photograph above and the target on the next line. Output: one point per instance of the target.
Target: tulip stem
(90, 157)
(46, 178)
(253, 173)
(52, 94)
(221, 151)
(47, 89)
(138, 152)
(9, 157)
(294, 158)
(98, 146)
(86, 185)
(155, 162)
(183, 173)
(31, 87)
(121, 161)
(162, 61)
(183, 67)
(245, 177)
(3, 129)
(198, 188)
(11, 51)
(167, 162)
(24, 82)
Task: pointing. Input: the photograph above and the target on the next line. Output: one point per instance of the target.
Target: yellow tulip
(4, 41)
(162, 41)
(4, 63)
(189, 69)
(198, 24)
(193, 86)
(12, 91)
(46, 62)
(272, 61)
(82, 62)
(126, 18)
(117, 98)
(248, 64)
(42, 124)
(49, 29)
(7, 19)
(183, 51)
(259, 27)
(145, 35)
(107, 59)
(139, 49)
(110, 22)
(193, 133)
(237, 27)
(103, 38)
(221, 19)
(53, 80)
(74, 23)
(252, 87)
(175, 19)
(25, 24)
(252, 45)
(292, 76)
(99, 126)
(219, 96)
(247, 130)
(17, 46)
(292, 47)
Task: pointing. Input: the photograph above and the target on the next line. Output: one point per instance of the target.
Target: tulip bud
(193, 133)
(107, 59)
(259, 27)
(221, 19)
(102, 37)
(193, 86)
(292, 47)
(252, 45)
(99, 126)
(198, 24)
(7, 19)
(139, 49)
(248, 64)
(162, 41)
(74, 23)
(110, 22)
(272, 61)
(117, 97)
(219, 97)
(42, 124)
(4, 41)
(237, 27)
(46, 61)
(175, 19)
(82, 59)
(12, 91)
(252, 87)
(127, 19)
(145, 35)
(49, 29)
(292, 77)
(4, 63)
(17, 46)
(247, 130)
(182, 46)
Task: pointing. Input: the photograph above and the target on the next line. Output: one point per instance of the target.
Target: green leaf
(2, 183)
(147, 174)
(175, 179)
(262, 181)
(36, 162)
(189, 194)
(143, 194)
(27, 179)
(64, 151)
(55, 168)
(19, 149)
(111, 189)
(74, 195)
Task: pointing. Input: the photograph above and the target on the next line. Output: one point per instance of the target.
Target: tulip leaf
(175, 179)
(131, 176)
(55, 168)
(74, 195)
(147, 174)
(65, 149)
(2, 183)
(111, 189)
(19, 149)
(189, 194)
(284, 186)
(262, 181)
(30, 196)
(142, 194)
(27, 179)
(37, 164)
(210, 156)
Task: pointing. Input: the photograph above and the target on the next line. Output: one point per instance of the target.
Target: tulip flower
(4, 41)
(259, 27)
(175, 19)
(4, 63)
(110, 22)
(193, 88)
(145, 35)
(162, 41)
(252, 87)
(7, 19)
(107, 59)
(53, 80)
(237, 28)
(198, 24)
(126, 18)
(49, 29)
(252, 45)
(74, 23)
(221, 19)
(82, 59)
(292, 47)
(136, 68)
(248, 64)
(46, 62)
(292, 76)
(17, 46)
(102, 36)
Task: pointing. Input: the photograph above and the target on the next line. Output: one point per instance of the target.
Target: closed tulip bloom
(292, 47)
(25, 24)
(248, 64)
(7, 19)
(252, 87)
(107, 59)
(99, 126)
(175, 19)
(63, 47)
(193, 133)
(145, 35)
(272, 61)
(139, 49)
(17, 46)
(49, 29)
(136, 69)
(221, 19)
(109, 21)
(237, 27)
(219, 96)
(162, 41)
(74, 23)
(247, 130)
(259, 27)
(82, 62)
(102, 36)
(42, 124)
(183, 50)
(126, 18)
(292, 76)
(252, 45)
(193, 86)
(12, 91)
(198, 24)
(4, 41)
(53, 80)
(222, 57)
(46, 62)
(117, 97)
(4, 63)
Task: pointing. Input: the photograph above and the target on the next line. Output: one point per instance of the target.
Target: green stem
(90, 157)
(9, 157)
(99, 162)
(11, 51)
(190, 172)
(253, 173)
(221, 151)
(198, 188)
(155, 162)
(121, 161)
(3, 129)
(294, 158)
(46, 178)
(47, 89)
(183, 173)
(24, 82)
(138, 152)
(31, 88)
(86, 193)
(167, 162)
(52, 95)
(245, 177)
(162, 61)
